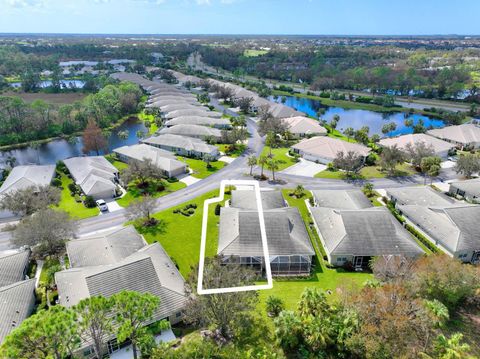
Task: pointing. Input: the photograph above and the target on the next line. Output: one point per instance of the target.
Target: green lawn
(133, 193)
(150, 118)
(290, 290)
(74, 209)
(238, 151)
(180, 235)
(254, 53)
(369, 172)
(48, 263)
(280, 154)
(199, 167)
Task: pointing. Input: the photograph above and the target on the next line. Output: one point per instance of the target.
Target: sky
(293, 17)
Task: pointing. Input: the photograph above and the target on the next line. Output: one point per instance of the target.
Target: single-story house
(468, 189)
(465, 135)
(164, 160)
(279, 110)
(22, 177)
(222, 123)
(356, 235)
(289, 246)
(192, 112)
(148, 270)
(18, 302)
(172, 101)
(454, 229)
(105, 248)
(182, 145)
(440, 147)
(17, 292)
(95, 175)
(180, 106)
(341, 199)
(259, 102)
(420, 196)
(324, 149)
(301, 126)
(246, 199)
(195, 131)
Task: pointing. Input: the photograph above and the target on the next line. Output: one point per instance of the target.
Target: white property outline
(263, 234)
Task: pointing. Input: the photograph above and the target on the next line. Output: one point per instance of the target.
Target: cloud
(19, 4)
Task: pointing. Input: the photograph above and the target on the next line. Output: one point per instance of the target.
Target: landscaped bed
(157, 189)
(369, 172)
(70, 205)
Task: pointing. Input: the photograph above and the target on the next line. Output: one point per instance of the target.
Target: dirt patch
(54, 98)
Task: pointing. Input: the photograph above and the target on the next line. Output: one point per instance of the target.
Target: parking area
(304, 168)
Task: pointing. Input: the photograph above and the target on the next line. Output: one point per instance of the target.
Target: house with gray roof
(468, 189)
(17, 303)
(440, 147)
(341, 199)
(95, 175)
(182, 145)
(324, 149)
(279, 110)
(221, 123)
(357, 235)
(192, 112)
(454, 229)
(301, 126)
(291, 252)
(195, 131)
(420, 196)
(13, 267)
(149, 270)
(22, 177)
(164, 160)
(172, 101)
(180, 106)
(104, 248)
(466, 135)
(246, 199)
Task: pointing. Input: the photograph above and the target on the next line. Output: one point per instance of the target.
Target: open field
(254, 53)
(54, 98)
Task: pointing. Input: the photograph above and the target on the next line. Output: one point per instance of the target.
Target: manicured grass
(180, 235)
(133, 193)
(238, 150)
(254, 53)
(290, 290)
(74, 209)
(199, 167)
(280, 154)
(150, 118)
(118, 164)
(369, 172)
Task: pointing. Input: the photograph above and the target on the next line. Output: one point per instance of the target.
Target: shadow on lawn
(160, 228)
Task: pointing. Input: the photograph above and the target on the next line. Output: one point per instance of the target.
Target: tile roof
(304, 125)
(402, 142)
(465, 134)
(327, 147)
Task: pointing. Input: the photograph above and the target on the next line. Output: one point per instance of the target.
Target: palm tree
(123, 135)
(273, 165)
(140, 134)
(262, 161)
(252, 161)
(10, 161)
(349, 132)
(271, 141)
(208, 159)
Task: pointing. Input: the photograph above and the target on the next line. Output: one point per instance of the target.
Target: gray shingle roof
(13, 267)
(327, 147)
(246, 199)
(363, 232)
(341, 199)
(180, 106)
(150, 270)
(420, 195)
(198, 120)
(187, 143)
(304, 125)
(455, 228)
(164, 160)
(192, 112)
(22, 177)
(465, 134)
(191, 131)
(401, 142)
(105, 248)
(16, 304)
(239, 233)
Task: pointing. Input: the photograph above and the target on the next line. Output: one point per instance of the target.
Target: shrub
(421, 238)
(73, 188)
(172, 179)
(370, 160)
(274, 306)
(217, 209)
(78, 199)
(89, 202)
(57, 182)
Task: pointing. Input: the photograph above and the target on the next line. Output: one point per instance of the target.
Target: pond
(47, 83)
(359, 118)
(51, 152)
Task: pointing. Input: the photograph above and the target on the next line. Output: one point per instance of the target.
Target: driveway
(447, 164)
(304, 168)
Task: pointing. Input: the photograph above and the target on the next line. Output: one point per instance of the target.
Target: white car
(102, 205)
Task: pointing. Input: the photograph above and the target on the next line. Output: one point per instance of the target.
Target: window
(178, 315)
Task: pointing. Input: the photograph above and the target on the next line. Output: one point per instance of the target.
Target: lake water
(50, 153)
(359, 118)
(47, 83)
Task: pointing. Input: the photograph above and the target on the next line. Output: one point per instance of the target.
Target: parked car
(102, 205)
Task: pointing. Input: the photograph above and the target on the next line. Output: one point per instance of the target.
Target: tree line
(23, 122)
